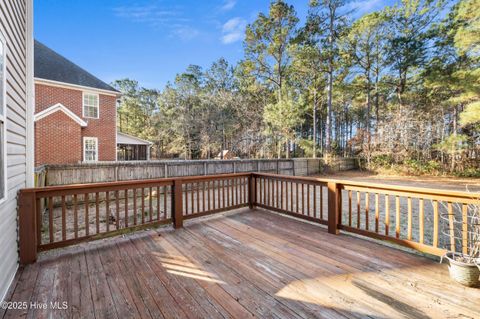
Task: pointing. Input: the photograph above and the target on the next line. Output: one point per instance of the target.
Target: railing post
(27, 220)
(177, 204)
(334, 208)
(252, 191)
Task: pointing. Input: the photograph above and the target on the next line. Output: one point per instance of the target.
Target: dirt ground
(450, 183)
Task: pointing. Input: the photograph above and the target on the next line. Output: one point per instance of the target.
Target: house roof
(49, 65)
(123, 138)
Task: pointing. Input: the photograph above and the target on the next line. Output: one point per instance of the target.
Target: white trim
(30, 108)
(3, 118)
(134, 137)
(85, 138)
(75, 87)
(59, 107)
(83, 105)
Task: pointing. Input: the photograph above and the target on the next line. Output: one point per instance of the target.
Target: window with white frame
(90, 105)
(3, 130)
(90, 149)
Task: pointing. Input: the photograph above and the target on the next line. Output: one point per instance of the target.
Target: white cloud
(233, 30)
(228, 5)
(185, 33)
(171, 19)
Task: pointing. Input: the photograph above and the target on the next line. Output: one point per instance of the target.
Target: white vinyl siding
(3, 159)
(90, 149)
(90, 105)
(14, 23)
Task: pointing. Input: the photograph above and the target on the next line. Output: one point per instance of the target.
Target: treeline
(400, 86)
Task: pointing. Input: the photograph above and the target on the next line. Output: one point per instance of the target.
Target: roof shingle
(49, 65)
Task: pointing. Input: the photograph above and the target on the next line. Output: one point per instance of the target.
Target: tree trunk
(314, 124)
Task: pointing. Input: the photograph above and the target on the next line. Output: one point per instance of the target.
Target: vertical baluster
(64, 219)
(350, 208)
(321, 202)
(150, 205)
(75, 216)
(228, 192)
(50, 219)
(117, 204)
(97, 213)
(308, 199)
(397, 216)
(435, 223)
(451, 226)
(269, 192)
(39, 204)
(198, 196)
(158, 202)
(165, 193)
(409, 220)
(303, 199)
(208, 195)
(219, 195)
(281, 195)
(223, 193)
(232, 191)
(143, 206)
(203, 197)
(192, 195)
(421, 213)
(367, 209)
(377, 212)
(245, 189)
(296, 198)
(186, 198)
(277, 193)
(107, 212)
(135, 206)
(291, 197)
(387, 214)
(237, 191)
(315, 201)
(126, 208)
(358, 209)
(265, 194)
(465, 229)
(87, 218)
(214, 195)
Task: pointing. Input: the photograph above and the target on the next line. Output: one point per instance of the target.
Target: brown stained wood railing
(408, 216)
(53, 217)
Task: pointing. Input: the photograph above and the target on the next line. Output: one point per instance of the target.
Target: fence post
(252, 191)
(334, 208)
(27, 221)
(177, 204)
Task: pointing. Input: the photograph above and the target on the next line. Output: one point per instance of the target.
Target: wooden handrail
(387, 187)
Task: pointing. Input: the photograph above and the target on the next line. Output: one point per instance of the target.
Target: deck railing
(54, 217)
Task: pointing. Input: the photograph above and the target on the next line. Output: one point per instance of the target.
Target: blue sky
(152, 40)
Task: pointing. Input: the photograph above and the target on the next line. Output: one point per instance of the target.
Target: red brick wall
(103, 128)
(58, 140)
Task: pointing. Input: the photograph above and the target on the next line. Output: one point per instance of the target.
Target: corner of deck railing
(334, 207)
(252, 184)
(27, 224)
(177, 203)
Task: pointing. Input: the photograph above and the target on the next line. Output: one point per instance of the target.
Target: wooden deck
(249, 263)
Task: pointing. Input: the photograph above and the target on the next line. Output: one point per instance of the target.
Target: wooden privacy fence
(58, 216)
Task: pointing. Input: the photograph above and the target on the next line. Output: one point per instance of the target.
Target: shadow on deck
(239, 265)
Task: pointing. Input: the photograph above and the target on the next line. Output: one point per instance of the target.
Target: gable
(59, 108)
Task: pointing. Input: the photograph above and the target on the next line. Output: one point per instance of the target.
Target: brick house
(75, 112)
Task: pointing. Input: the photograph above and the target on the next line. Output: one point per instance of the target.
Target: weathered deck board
(250, 263)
